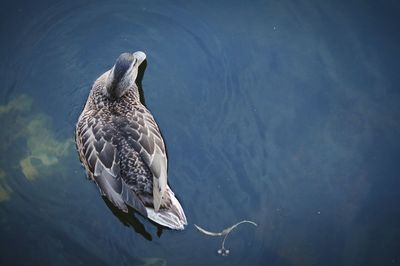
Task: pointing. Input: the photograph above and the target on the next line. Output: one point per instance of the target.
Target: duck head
(123, 74)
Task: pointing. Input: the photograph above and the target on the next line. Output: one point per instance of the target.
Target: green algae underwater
(30, 148)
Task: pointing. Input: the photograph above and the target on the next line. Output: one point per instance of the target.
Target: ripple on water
(261, 120)
(66, 46)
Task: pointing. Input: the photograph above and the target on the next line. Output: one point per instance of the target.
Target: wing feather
(151, 148)
(100, 155)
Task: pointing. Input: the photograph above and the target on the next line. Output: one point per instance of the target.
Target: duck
(120, 145)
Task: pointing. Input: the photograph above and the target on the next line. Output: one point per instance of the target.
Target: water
(280, 112)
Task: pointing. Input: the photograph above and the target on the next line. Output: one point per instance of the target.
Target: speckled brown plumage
(121, 147)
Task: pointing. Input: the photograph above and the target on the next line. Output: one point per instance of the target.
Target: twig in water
(223, 251)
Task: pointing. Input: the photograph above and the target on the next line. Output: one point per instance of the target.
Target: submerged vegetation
(4, 188)
(43, 150)
(29, 146)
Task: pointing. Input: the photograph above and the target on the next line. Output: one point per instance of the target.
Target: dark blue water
(281, 112)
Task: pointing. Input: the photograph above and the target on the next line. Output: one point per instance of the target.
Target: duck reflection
(128, 219)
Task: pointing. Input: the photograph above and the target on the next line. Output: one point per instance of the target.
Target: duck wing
(150, 146)
(153, 154)
(99, 153)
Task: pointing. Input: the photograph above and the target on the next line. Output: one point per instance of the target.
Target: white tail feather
(172, 217)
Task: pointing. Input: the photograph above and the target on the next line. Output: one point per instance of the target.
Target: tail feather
(171, 215)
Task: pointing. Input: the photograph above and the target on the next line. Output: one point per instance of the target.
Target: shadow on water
(128, 219)
(142, 69)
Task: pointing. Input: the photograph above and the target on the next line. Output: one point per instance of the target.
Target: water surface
(280, 112)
